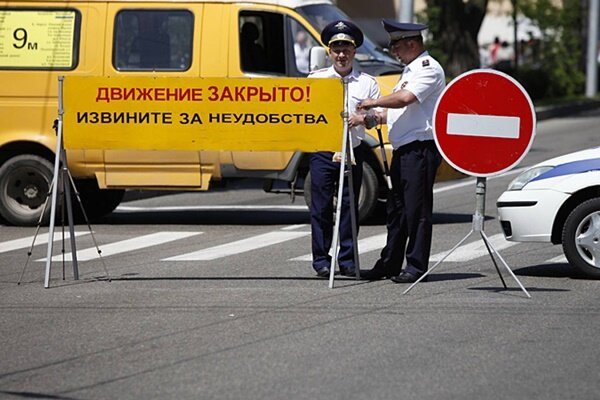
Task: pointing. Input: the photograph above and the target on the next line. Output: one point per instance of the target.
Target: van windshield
(370, 57)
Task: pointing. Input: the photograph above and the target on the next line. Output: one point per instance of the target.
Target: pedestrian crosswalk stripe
(40, 239)
(558, 260)
(293, 227)
(123, 246)
(239, 246)
(364, 246)
(470, 251)
(474, 249)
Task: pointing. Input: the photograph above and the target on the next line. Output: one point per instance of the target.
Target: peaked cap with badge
(342, 31)
(402, 30)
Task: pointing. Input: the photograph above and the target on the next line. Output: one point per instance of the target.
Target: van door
(265, 43)
(153, 39)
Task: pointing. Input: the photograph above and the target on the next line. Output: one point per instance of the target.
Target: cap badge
(340, 25)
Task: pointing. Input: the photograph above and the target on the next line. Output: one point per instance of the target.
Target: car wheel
(581, 238)
(24, 184)
(367, 198)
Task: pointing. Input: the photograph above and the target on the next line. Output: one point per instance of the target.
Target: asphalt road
(212, 297)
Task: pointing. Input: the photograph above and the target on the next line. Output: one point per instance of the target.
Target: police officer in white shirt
(342, 38)
(415, 159)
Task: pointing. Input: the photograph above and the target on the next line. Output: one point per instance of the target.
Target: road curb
(554, 111)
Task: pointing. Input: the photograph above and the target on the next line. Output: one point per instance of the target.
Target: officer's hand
(355, 120)
(365, 104)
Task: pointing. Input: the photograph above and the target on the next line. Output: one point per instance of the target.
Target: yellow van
(42, 40)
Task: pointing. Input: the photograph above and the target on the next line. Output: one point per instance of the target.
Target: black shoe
(323, 272)
(348, 271)
(406, 277)
(374, 274)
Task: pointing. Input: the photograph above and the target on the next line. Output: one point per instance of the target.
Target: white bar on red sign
(483, 125)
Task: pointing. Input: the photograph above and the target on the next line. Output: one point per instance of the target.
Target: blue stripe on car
(575, 167)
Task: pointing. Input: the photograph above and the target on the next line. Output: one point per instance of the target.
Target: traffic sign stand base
(478, 222)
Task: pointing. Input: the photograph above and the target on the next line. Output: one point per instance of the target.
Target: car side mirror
(317, 58)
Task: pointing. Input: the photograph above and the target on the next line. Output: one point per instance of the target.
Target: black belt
(416, 144)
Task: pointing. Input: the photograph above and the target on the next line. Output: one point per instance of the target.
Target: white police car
(558, 201)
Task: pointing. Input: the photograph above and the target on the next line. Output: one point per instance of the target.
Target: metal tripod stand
(62, 180)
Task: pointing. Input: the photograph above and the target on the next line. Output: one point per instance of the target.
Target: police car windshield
(320, 15)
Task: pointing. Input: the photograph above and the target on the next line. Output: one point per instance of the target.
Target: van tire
(24, 184)
(95, 201)
(369, 191)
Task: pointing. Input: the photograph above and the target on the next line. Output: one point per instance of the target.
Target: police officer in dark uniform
(415, 159)
(342, 38)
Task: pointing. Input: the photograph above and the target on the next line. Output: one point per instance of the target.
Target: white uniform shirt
(423, 77)
(360, 86)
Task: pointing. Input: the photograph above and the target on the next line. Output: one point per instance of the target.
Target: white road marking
(40, 239)
(239, 246)
(366, 245)
(474, 249)
(473, 182)
(483, 126)
(124, 246)
(558, 260)
(294, 227)
(212, 208)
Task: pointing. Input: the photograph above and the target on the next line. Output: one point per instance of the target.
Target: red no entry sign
(484, 123)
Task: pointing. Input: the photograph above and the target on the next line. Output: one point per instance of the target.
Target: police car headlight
(525, 177)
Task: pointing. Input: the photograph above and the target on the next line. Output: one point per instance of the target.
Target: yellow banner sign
(260, 114)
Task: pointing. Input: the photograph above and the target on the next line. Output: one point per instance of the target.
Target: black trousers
(325, 175)
(409, 208)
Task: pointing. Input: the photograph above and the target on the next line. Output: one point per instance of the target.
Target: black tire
(96, 202)
(367, 198)
(24, 184)
(581, 238)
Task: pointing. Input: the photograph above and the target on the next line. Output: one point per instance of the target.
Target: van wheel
(24, 184)
(367, 198)
(581, 238)
(96, 202)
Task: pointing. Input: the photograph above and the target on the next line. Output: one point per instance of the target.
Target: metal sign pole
(60, 156)
(478, 222)
(338, 212)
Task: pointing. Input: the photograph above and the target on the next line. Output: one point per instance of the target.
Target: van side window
(303, 42)
(40, 39)
(157, 40)
(262, 47)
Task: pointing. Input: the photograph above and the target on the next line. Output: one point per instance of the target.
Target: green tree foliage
(561, 46)
(453, 28)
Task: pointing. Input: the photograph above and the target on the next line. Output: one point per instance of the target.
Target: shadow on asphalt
(34, 395)
(499, 289)
(561, 270)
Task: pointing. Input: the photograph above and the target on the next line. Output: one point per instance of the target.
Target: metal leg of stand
(338, 209)
(353, 213)
(87, 221)
(52, 214)
(439, 262)
(68, 183)
(485, 238)
(487, 246)
(62, 223)
(37, 231)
